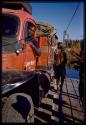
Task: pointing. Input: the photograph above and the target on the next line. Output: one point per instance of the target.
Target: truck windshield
(9, 25)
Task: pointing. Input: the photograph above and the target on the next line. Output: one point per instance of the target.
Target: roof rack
(18, 6)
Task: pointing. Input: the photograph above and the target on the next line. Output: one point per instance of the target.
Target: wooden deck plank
(66, 102)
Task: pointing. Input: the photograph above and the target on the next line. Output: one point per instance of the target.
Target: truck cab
(16, 51)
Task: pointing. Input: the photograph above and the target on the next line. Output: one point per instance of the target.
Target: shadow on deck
(61, 106)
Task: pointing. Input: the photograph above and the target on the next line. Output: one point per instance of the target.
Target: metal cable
(73, 16)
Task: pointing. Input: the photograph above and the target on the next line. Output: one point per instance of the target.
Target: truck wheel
(18, 109)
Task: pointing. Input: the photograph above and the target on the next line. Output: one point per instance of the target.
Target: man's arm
(77, 55)
(37, 50)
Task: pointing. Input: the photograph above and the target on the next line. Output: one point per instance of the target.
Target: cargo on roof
(18, 5)
(45, 29)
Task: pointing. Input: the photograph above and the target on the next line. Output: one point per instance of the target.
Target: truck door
(29, 57)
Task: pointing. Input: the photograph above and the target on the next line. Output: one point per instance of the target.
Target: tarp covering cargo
(45, 29)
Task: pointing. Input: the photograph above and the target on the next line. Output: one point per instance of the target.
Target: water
(72, 73)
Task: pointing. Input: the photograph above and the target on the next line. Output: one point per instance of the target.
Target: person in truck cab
(32, 41)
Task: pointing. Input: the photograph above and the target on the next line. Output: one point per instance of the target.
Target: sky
(59, 15)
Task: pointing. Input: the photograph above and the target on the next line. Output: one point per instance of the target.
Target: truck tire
(18, 109)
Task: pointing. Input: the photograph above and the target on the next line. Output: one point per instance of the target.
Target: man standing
(60, 60)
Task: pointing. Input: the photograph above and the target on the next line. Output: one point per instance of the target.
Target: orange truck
(22, 72)
(45, 34)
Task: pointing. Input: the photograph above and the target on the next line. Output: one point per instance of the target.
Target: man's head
(62, 47)
(31, 30)
(59, 44)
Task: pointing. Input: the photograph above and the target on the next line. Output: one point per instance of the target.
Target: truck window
(27, 25)
(26, 32)
(10, 24)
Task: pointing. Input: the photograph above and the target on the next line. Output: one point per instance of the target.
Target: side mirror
(18, 48)
(18, 51)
